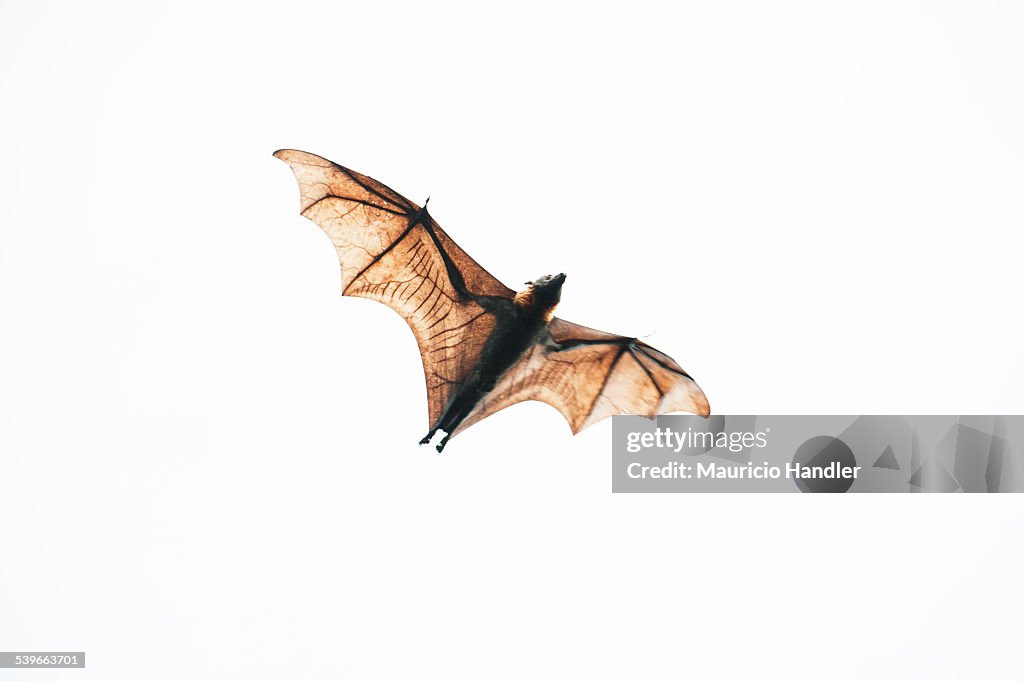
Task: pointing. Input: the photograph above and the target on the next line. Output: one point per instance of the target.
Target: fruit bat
(484, 346)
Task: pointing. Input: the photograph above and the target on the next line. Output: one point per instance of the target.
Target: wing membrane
(594, 376)
(390, 250)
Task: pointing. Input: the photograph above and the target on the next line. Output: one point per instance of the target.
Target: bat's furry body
(519, 325)
(484, 347)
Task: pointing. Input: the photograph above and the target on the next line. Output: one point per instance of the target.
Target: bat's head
(549, 287)
(542, 294)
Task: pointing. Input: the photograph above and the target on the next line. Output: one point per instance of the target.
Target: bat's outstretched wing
(590, 375)
(392, 251)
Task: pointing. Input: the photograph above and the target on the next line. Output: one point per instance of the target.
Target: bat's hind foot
(442, 443)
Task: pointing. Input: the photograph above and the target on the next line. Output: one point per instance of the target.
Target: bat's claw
(427, 437)
(442, 443)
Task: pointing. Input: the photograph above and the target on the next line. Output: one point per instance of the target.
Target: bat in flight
(484, 346)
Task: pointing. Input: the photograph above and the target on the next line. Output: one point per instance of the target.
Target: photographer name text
(678, 470)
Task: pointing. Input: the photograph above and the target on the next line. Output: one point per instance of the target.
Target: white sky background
(208, 457)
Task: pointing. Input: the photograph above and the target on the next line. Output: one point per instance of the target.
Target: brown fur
(524, 300)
